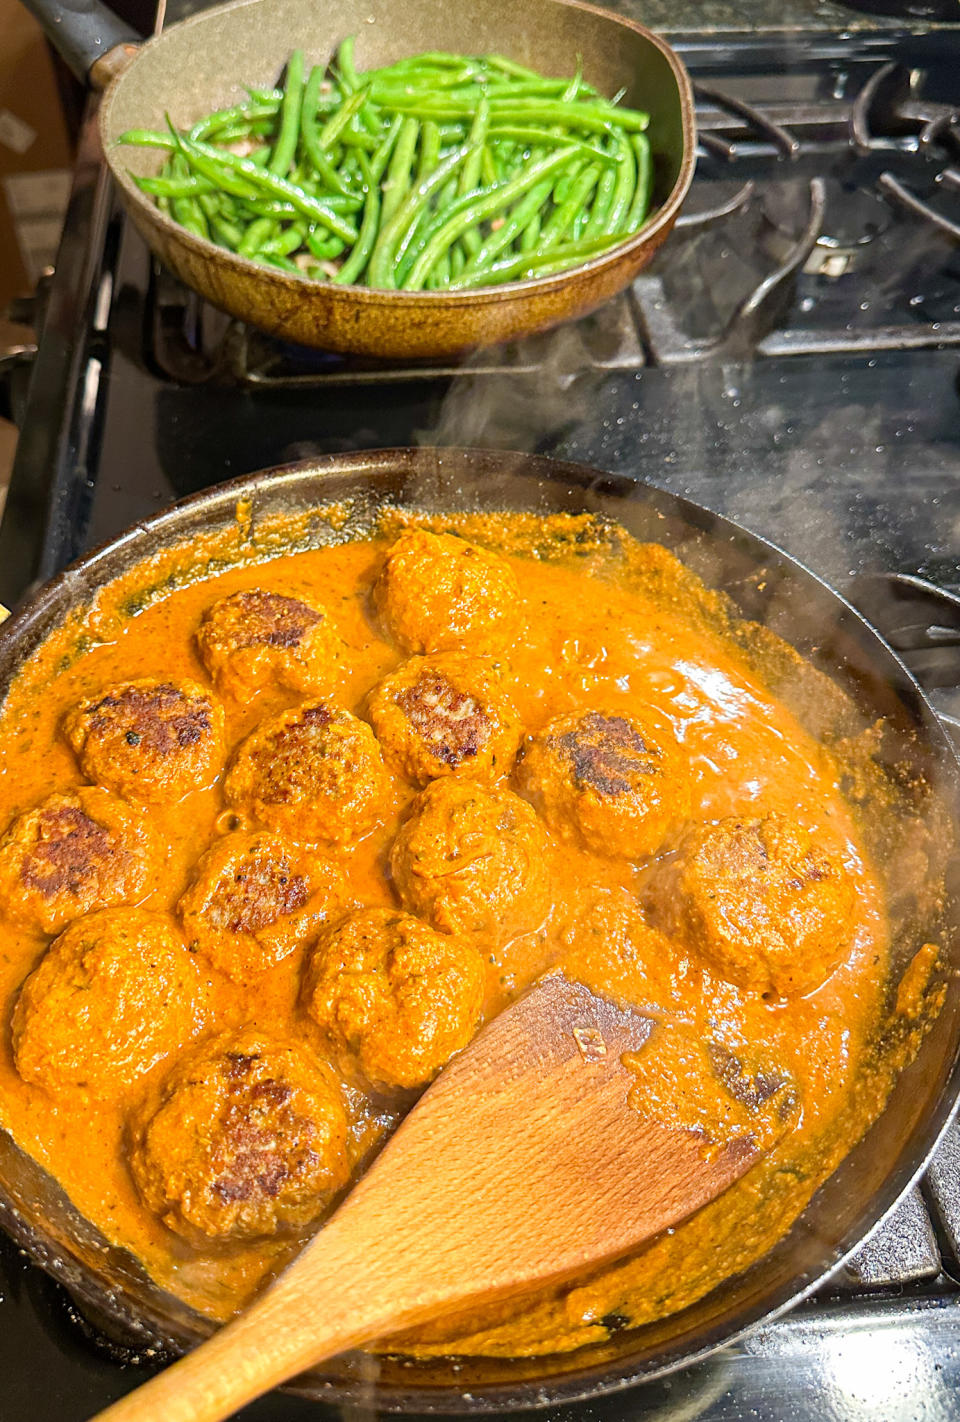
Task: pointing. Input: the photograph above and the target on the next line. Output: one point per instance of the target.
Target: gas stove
(791, 359)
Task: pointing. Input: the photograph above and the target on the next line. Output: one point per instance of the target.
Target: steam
(548, 383)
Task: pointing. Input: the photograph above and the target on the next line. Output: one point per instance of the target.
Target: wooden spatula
(523, 1164)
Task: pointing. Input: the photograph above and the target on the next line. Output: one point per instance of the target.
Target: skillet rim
(600, 1379)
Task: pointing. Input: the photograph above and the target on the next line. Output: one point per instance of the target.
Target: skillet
(202, 63)
(765, 585)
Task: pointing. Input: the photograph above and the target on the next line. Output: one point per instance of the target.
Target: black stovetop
(791, 359)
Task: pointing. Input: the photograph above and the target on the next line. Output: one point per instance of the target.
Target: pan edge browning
(492, 481)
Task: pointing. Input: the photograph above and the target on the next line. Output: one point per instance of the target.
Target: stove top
(791, 359)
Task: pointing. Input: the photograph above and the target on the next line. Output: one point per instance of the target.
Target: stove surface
(791, 360)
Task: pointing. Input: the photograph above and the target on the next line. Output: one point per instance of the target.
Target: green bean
(572, 90)
(356, 263)
(148, 138)
(624, 190)
(486, 208)
(380, 159)
(398, 173)
(293, 239)
(439, 171)
(258, 233)
(530, 235)
(226, 118)
(350, 82)
(529, 264)
(399, 227)
(440, 274)
(225, 233)
(550, 138)
(211, 162)
(355, 137)
(271, 259)
(561, 219)
(511, 67)
(429, 149)
(488, 171)
(517, 222)
(173, 187)
(595, 221)
(592, 117)
(310, 135)
(345, 65)
(323, 246)
(335, 126)
(286, 145)
(640, 205)
(470, 172)
(189, 215)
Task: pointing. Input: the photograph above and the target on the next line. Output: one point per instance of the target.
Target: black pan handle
(84, 32)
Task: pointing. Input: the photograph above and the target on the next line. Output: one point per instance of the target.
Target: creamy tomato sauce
(612, 634)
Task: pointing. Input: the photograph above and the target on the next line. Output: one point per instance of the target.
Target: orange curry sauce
(596, 634)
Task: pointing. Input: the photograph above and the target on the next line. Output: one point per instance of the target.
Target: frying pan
(766, 586)
(202, 63)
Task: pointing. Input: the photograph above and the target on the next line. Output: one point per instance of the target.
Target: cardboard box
(35, 153)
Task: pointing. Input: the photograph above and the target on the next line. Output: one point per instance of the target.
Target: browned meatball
(73, 853)
(248, 1138)
(616, 785)
(150, 740)
(759, 902)
(394, 995)
(256, 638)
(439, 593)
(446, 715)
(252, 900)
(472, 860)
(115, 993)
(314, 772)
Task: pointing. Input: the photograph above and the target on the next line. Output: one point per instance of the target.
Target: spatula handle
(309, 1314)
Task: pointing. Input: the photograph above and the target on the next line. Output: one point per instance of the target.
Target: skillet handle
(84, 33)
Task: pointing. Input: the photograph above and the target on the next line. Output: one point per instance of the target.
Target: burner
(890, 109)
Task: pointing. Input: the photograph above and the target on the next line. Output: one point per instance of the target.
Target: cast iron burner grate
(818, 223)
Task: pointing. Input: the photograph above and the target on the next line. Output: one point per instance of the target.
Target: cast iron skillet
(766, 585)
(202, 63)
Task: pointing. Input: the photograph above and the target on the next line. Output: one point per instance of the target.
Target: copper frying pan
(202, 63)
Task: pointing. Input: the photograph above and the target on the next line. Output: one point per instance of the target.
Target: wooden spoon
(522, 1165)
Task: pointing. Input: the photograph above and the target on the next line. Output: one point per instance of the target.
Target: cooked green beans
(439, 172)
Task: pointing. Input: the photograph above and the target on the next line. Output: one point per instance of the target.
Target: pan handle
(91, 39)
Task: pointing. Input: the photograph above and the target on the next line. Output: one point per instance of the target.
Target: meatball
(394, 995)
(472, 861)
(248, 1138)
(612, 948)
(758, 902)
(439, 593)
(314, 772)
(74, 853)
(256, 638)
(614, 784)
(252, 900)
(114, 994)
(446, 715)
(150, 740)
